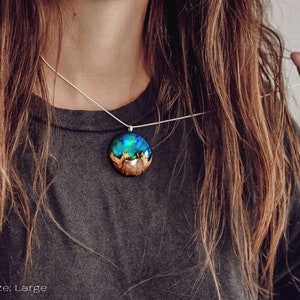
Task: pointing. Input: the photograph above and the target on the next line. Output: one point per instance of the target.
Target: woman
(208, 218)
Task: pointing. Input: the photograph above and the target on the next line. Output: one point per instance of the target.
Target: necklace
(129, 153)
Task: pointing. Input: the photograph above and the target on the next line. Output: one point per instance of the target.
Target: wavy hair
(218, 56)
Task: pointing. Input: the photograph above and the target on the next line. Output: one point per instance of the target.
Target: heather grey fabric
(139, 231)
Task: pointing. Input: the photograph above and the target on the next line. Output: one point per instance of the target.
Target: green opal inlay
(130, 154)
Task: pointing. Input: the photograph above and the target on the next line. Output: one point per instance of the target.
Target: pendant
(130, 154)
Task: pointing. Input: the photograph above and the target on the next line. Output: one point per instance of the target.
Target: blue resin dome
(130, 154)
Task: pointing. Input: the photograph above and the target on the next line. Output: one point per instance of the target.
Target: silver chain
(130, 127)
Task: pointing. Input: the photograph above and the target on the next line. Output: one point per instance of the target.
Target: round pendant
(130, 154)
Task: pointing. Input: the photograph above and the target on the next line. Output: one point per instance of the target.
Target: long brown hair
(215, 56)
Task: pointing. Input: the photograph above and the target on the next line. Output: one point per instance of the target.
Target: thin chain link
(82, 92)
(130, 127)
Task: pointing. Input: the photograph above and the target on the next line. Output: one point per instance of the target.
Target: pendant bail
(130, 128)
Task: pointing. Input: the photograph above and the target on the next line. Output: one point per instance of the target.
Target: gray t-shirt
(129, 237)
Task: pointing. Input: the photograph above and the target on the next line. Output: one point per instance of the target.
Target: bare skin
(295, 56)
(102, 53)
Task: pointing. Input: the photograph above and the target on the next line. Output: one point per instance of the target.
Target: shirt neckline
(84, 120)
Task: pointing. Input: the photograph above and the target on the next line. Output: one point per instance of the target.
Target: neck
(101, 53)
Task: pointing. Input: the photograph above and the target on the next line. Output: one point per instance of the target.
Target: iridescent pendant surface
(130, 154)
